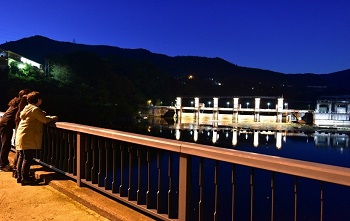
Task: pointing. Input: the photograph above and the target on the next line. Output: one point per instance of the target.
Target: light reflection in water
(234, 137)
(256, 138)
(330, 147)
(280, 138)
(177, 134)
(195, 136)
(215, 135)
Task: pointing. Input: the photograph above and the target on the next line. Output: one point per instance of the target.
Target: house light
(21, 66)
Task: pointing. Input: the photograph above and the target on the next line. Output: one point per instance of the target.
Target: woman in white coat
(29, 135)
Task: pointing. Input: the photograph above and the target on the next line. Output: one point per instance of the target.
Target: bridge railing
(174, 180)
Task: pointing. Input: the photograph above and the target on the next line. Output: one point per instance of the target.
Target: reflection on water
(279, 136)
(320, 139)
(315, 146)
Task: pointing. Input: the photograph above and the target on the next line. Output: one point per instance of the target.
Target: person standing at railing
(7, 124)
(29, 135)
(21, 105)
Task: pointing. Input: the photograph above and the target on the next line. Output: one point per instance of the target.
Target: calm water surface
(321, 147)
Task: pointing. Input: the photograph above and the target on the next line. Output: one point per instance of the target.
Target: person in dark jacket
(7, 124)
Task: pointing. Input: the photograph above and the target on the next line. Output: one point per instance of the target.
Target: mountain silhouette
(214, 76)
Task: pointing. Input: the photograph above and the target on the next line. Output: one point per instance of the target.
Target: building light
(30, 62)
(21, 66)
(149, 102)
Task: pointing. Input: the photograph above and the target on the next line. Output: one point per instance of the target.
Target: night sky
(299, 36)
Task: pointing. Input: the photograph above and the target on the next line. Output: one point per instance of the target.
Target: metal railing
(174, 180)
(158, 176)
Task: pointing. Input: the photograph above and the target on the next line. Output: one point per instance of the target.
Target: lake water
(321, 147)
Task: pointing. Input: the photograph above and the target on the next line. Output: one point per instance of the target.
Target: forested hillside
(104, 82)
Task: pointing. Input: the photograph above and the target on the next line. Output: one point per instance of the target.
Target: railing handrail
(317, 171)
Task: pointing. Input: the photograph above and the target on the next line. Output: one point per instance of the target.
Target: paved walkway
(59, 200)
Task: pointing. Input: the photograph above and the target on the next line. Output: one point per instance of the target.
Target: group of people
(26, 118)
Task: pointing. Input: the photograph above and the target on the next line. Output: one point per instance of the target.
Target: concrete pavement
(58, 199)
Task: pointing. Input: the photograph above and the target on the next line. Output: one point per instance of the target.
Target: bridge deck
(56, 198)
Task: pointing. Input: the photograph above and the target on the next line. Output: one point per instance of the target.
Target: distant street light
(247, 104)
(209, 103)
(268, 105)
(228, 104)
(191, 103)
(286, 105)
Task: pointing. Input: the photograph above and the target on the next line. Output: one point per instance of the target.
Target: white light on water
(177, 134)
(256, 139)
(195, 136)
(279, 140)
(234, 138)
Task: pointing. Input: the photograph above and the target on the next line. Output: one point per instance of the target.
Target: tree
(62, 74)
(25, 71)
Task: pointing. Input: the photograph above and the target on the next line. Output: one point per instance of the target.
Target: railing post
(184, 186)
(78, 159)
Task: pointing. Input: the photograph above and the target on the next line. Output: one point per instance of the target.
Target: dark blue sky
(299, 36)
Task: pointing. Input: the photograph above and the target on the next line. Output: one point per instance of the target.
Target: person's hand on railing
(53, 121)
(55, 118)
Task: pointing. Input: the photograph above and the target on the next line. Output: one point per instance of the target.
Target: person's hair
(23, 102)
(13, 102)
(33, 97)
(16, 100)
(22, 95)
(23, 92)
